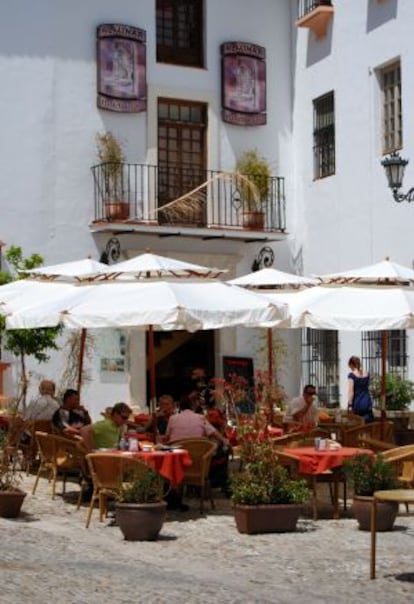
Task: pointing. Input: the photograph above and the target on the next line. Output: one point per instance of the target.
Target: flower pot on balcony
(116, 210)
(253, 221)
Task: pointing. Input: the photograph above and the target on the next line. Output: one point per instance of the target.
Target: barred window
(180, 32)
(320, 361)
(391, 108)
(324, 135)
(396, 351)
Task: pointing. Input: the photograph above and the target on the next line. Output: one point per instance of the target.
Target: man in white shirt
(302, 411)
(43, 407)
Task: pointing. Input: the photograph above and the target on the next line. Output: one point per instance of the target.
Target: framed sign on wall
(243, 83)
(121, 63)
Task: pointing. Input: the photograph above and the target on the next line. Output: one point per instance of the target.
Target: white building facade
(195, 75)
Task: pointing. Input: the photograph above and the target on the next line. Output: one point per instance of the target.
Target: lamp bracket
(399, 197)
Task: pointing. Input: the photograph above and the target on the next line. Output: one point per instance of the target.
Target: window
(182, 128)
(180, 32)
(324, 136)
(391, 107)
(396, 358)
(320, 364)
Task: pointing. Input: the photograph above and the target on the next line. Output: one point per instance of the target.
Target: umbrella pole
(270, 354)
(270, 371)
(152, 387)
(81, 357)
(384, 354)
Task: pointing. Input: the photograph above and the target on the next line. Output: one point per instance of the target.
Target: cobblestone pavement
(48, 555)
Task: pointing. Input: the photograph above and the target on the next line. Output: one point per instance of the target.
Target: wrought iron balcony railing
(145, 194)
(307, 6)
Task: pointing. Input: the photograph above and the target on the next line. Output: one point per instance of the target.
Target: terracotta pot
(386, 513)
(271, 518)
(253, 221)
(117, 210)
(11, 503)
(140, 521)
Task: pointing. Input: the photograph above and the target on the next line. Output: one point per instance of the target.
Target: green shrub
(142, 487)
(369, 474)
(398, 392)
(263, 480)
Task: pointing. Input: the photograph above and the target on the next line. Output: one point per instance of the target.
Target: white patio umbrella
(268, 279)
(189, 304)
(378, 297)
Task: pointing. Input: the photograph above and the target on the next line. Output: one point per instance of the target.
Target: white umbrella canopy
(165, 305)
(350, 308)
(132, 297)
(77, 270)
(270, 278)
(381, 273)
(147, 265)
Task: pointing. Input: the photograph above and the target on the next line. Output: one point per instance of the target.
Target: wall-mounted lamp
(394, 166)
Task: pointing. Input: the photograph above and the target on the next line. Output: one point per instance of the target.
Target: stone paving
(48, 555)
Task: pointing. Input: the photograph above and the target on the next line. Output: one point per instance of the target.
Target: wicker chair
(29, 446)
(59, 455)
(108, 471)
(201, 451)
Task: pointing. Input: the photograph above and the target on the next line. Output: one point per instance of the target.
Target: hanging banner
(121, 62)
(243, 82)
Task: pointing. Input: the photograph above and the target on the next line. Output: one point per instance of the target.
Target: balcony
(316, 15)
(151, 198)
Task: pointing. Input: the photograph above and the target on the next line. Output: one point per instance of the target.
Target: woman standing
(359, 398)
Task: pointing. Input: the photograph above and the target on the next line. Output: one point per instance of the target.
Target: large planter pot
(11, 503)
(386, 513)
(117, 210)
(140, 521)
(271, 518)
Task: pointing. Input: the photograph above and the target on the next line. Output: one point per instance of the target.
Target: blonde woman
(359, 398)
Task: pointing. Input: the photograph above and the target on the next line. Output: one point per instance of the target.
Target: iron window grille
(324, 135)
(397, 358)
(320, 362)
(180, 32)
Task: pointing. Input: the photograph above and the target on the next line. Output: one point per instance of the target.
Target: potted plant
(254, 187)
(265, 498)
(111, 156)
(140, 508)
(399, 393)
(367, 475)
(11, 496)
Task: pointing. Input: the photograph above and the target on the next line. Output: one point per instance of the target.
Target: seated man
(45, 405)
(106, 433)
(301, 411)
(71, 416)
(188, 424)
(166, 408)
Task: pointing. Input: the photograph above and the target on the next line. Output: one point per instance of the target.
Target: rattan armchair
(107, 471)
(59, 455)
(201, 451)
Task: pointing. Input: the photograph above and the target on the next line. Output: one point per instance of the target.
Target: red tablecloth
(314, 461)
(170, 464)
